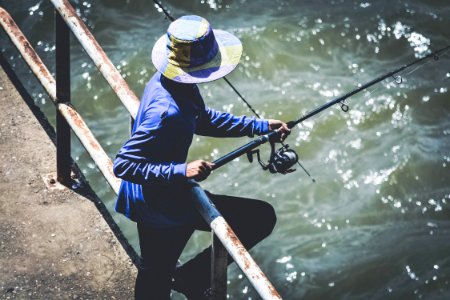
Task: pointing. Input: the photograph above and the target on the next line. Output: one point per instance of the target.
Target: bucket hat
(192, 52)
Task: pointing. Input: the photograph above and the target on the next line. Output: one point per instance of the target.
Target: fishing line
(435, 59)
(373, 93)
(168, 16)
(404, 74)
(285, 146)
(283, 159)
(166, 12)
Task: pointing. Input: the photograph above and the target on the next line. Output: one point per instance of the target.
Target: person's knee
(268, 219)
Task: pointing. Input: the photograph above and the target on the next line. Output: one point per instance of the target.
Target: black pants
(252, 221)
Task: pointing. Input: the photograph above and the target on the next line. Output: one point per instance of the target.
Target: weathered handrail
(76, 122)
(98, 56)
(232, 243)
(218, 224)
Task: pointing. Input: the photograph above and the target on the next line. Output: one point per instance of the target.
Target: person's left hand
(281, 127)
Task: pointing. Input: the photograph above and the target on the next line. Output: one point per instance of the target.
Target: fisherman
(152, 163)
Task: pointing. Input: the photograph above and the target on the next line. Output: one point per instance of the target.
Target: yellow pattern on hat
(232, 57)
(203, 28)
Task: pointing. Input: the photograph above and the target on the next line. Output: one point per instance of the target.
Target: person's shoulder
(157, 100)
(154, 91)
(153, 86)
(161, 106)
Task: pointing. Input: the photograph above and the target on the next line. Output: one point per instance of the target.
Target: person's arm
(136, 160)
(221, 124)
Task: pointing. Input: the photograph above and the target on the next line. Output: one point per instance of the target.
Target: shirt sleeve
(138, 161)
(221, 124)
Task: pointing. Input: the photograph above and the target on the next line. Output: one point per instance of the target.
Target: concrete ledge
(54, 243)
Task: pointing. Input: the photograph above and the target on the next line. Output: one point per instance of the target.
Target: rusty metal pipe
(91, 144)
(232, 243)
(243, 259)
(75, 121)
(29, 55)
(98, 56)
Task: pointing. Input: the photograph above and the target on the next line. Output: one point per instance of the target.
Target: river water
(375, 224)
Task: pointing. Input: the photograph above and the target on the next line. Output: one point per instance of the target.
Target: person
(152, 163)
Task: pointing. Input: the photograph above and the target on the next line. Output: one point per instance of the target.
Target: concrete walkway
(54, 243)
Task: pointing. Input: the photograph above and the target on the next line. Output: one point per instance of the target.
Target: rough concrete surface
(54, 244)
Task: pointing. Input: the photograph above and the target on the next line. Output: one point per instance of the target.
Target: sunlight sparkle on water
(245, 290)
(356, 144)
(417, 41)
(290, 277)
(34, 8)
(356, 117)
(411, 274)
(284, 259)
(426, 98)
(378, 177)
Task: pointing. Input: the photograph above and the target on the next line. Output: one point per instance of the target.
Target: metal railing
(66, 19)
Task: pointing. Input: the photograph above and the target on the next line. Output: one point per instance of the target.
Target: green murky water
(376, 224)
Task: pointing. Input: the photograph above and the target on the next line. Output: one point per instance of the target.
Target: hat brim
(226, 60)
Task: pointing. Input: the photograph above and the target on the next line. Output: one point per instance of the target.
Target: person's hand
(281, 127)
(198, 170)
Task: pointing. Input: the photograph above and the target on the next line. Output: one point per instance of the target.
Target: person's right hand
(198, 170)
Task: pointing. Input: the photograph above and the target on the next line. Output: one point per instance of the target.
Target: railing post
(62, 41)
(231, 242)
(219, 266)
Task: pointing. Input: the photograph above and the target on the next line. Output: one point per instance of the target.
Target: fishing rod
(276, 156)
(283, 159)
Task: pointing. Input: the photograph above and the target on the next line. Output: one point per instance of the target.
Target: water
(376, 224)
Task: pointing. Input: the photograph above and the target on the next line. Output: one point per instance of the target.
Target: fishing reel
(281, 161)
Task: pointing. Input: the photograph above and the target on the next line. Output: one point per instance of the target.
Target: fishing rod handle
(244, 149)
(291, 124)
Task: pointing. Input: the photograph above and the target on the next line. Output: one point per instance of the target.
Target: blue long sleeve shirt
(152, 163)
